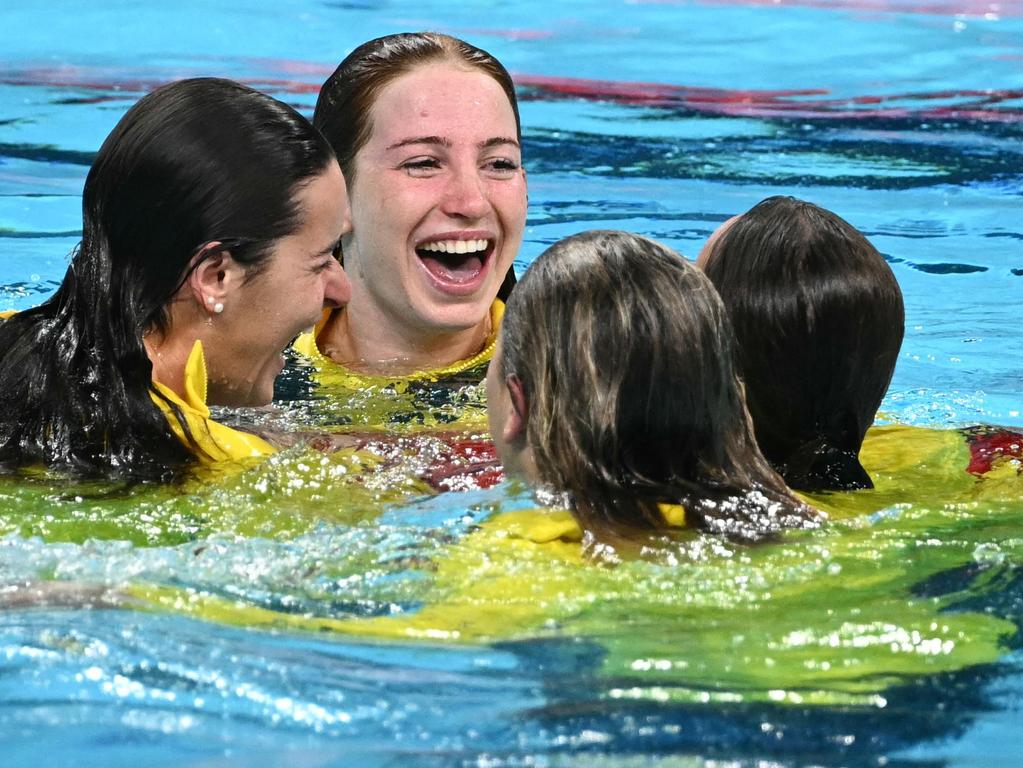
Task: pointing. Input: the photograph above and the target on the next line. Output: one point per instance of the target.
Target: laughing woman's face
(438, 204)
(264, 313)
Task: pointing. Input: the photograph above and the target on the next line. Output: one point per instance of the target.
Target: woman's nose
(337, 289)
(465, 195)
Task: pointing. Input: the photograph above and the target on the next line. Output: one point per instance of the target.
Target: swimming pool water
(248, 625)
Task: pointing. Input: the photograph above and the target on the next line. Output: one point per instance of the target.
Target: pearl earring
(218, 307)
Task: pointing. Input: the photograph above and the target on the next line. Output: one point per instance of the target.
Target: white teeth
(455, 246)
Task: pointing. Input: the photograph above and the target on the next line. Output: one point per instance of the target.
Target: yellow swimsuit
(333, 374)
(449, 396)
(210, 441)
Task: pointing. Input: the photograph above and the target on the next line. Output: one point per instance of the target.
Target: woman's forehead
(442, 96)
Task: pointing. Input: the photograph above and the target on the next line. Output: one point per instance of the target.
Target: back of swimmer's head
(612, 315)
(623, 353)
(195, 161)
(818, 318)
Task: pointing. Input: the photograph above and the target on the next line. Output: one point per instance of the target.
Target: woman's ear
(214, 277)
(515, 425)
(517, 454)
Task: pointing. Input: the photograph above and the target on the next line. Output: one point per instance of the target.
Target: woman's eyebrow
(496, 142)
(440, 141)
(420, 140)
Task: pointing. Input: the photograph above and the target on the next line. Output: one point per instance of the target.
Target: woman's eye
(420, 166)
(502, 166)
(337, 253)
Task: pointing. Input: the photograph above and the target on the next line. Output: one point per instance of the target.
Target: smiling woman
(426, 129)
(194, 229)
(253, 326)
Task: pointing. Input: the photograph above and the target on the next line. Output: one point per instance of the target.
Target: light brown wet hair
(819, 320)
(346, 98)
(624, 353)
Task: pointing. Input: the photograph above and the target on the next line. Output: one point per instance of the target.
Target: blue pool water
(665, 118)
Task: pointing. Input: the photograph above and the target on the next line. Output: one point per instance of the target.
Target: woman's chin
(452, 311)
(457, 319)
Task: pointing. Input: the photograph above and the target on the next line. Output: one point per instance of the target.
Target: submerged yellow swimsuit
(502, 581)
(209, 441)
(449, 396)
(838, 614)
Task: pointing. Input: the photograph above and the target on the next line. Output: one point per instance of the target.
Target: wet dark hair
(346, 98)
(624, 351)
(819, 318)
(192, 163)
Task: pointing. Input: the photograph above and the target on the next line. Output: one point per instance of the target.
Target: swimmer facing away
(426, 128)
(212, 216)
(613, 384)
(819, 320)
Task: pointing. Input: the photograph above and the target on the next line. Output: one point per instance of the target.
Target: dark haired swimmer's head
(819, 320)
(210, 214)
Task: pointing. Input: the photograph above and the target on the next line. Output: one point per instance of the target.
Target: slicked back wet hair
(192, 163)
(819, 320)
(625, 354)
(347, 97)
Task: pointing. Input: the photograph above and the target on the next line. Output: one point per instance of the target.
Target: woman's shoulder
(544, 525)
(978, 450)
(924, 465)
(896, 447)
(539, 525)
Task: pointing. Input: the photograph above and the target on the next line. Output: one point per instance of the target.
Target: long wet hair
(346, 98)
(624, 351)
(819, 320)
(192, 163)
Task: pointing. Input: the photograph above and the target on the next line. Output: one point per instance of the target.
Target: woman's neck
(169, 350)
(374, 349)
(168, 355)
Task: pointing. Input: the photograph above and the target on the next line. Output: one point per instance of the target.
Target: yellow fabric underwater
(210, 441)
(278, 497)
(916, 466)
(827, 616)
(452, 395)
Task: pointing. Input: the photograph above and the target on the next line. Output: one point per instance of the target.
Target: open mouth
(455, 262)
